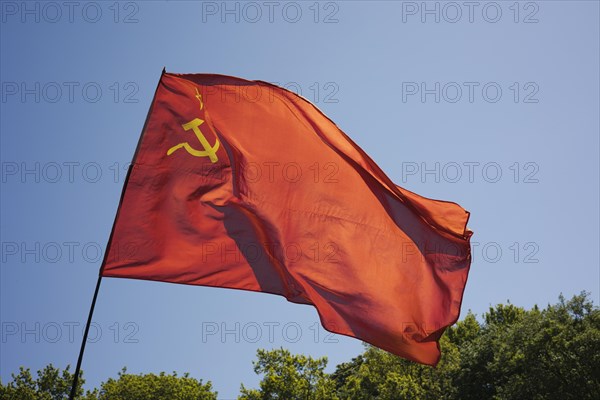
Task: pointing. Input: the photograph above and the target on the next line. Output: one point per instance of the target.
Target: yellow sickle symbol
(209, 151)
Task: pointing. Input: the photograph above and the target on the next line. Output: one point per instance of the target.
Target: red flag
(242, 184)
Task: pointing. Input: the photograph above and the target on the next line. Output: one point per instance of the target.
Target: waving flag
(242, 184)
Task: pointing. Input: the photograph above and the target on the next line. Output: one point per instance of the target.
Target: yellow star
(199, 97)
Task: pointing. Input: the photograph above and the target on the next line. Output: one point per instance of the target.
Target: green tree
(152, 387)
(377, 374)
(290, 377)
(537, 354)
(50, 384)
(512, 354)
(465, 331)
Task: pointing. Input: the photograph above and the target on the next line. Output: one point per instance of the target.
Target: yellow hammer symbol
(209, 151)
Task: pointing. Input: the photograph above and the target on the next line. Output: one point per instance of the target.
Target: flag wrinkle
(263, 234)
(364, 162)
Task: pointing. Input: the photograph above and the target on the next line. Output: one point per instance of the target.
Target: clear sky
(493, 105)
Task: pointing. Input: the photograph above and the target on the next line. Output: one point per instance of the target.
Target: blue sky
(493, 105)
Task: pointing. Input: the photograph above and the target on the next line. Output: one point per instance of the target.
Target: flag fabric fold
(242, 184)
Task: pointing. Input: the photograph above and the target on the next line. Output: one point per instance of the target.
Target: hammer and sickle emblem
(209, 151)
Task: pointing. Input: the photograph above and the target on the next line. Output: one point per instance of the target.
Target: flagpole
(89, 320)
(85, 335)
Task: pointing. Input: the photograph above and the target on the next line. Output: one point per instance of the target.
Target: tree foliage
(290, 377)
(377, 374)
(151, 387)
(538, 354)
(513, 353)
(50, 384)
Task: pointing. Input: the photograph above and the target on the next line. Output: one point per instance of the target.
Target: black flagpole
(89, 321)
(85, 335)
